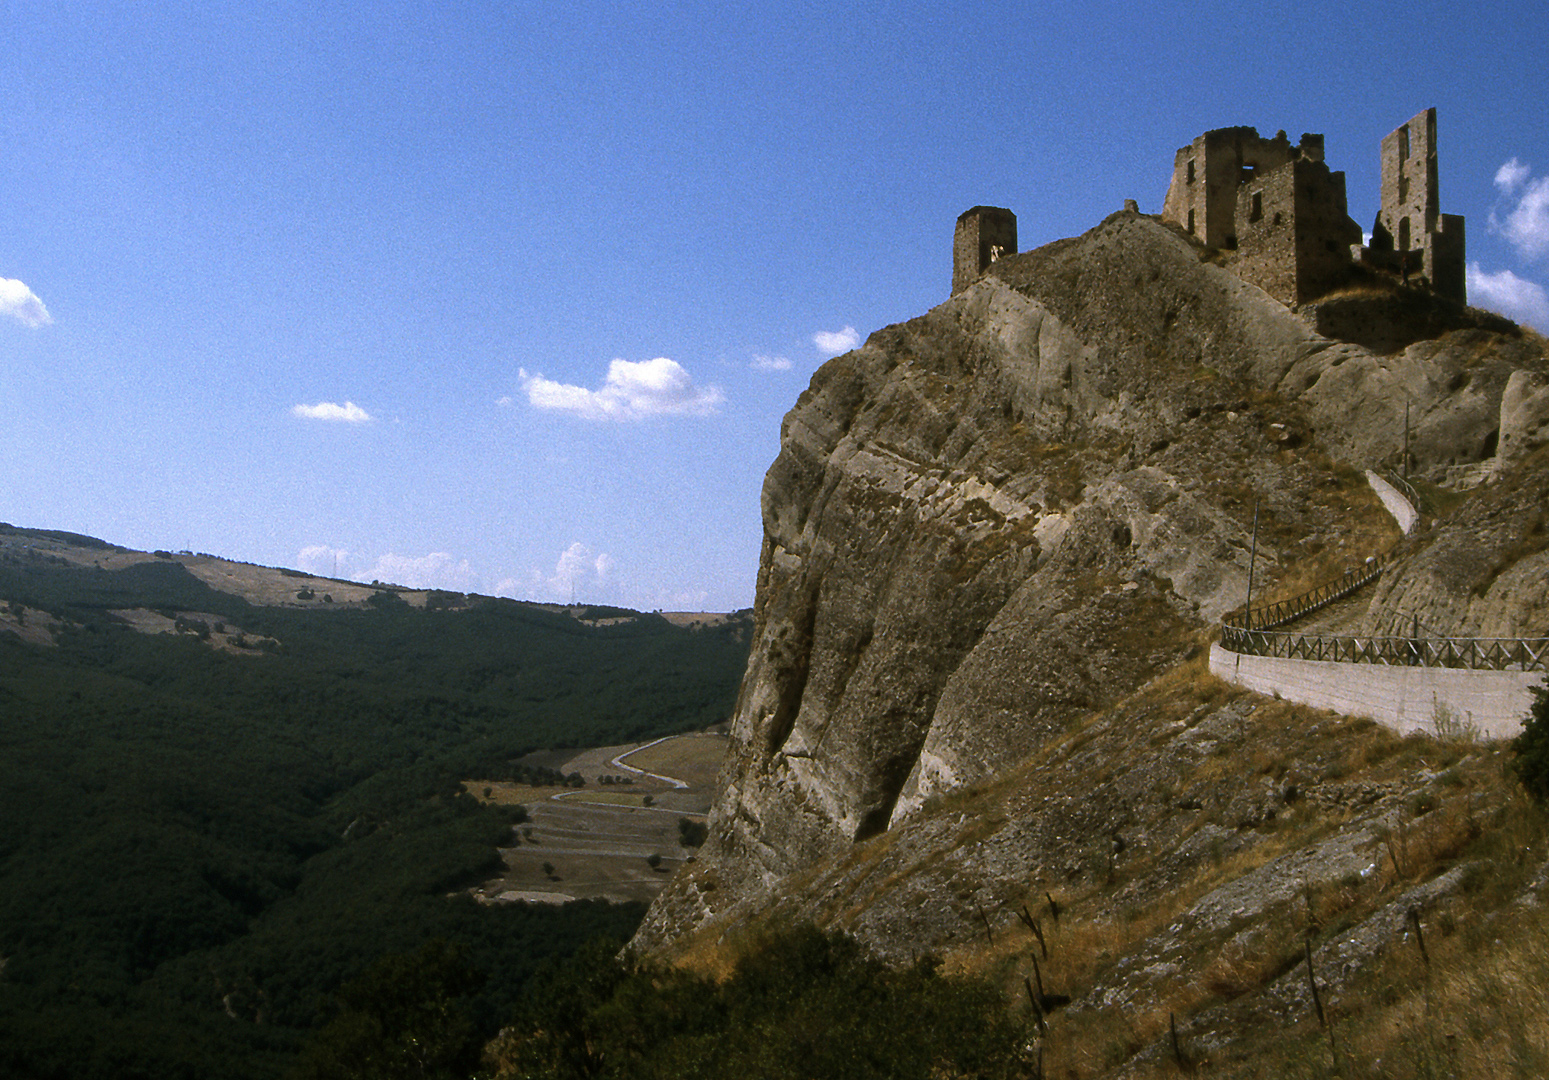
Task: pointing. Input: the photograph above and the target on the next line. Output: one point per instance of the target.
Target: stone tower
(1275, 209)
(983, 235)
(1426, 242)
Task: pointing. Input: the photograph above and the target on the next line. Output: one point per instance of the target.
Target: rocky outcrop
(1003, 516)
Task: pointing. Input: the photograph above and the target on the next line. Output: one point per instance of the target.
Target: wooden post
(1414, 917)
(986, 921)
(1406, 441)
(1253, 552)
(1037, 1004)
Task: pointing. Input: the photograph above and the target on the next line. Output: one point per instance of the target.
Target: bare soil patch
(597, 841)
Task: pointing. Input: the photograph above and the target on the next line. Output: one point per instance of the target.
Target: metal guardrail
(1284, 611)
(1477, 654)
(1406, 489)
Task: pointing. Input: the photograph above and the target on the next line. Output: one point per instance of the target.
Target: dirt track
(597, 839)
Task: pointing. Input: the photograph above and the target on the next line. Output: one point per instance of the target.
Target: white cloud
(632, 391)
(324, 561)
(349, 412)
(1521, 214)
(836, 341)
(1510, 176)
(438, 570)
(22, 304)
(1516, 298)
(578, 575)
(771, 363)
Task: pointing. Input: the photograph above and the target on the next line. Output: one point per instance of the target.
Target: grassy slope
(1173, 831)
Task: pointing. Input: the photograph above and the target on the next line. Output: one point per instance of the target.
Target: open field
(596, 841)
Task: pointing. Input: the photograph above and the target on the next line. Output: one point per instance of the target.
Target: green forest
(200, 847)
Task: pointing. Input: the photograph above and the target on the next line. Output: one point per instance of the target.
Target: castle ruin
(1411, 235)
(1278, 215)
(983, 235)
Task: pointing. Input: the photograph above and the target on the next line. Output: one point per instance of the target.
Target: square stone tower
(1427, 243)
(1275, 209)
(983, 235)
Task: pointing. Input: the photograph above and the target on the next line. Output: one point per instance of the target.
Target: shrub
(1532, 747)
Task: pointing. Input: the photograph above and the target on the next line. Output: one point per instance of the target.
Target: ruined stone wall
(1293, 231)
(1410, 201)
(1444, 259)
(1411, 207)
(1209, 173)
(983, 235)
(1324, 231)
(1266, 216)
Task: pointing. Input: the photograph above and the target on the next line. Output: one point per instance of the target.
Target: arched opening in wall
(1256, 210)
(1189, 178)
(1403, 234)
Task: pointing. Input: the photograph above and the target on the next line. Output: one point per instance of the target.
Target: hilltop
(999, 539)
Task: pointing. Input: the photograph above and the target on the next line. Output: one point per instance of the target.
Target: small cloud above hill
(631, 391)
(834, 342)
(348, 413)
(438, 570)
(22, 304)
(770, 363)
(579, 574)
(1516, 298)
(324, 561)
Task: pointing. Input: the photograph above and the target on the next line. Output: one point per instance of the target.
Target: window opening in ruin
(1403, 143)
(1257, 211)
(1190, 178)
(1191, 213)
(1403, 188)
(1403, 234)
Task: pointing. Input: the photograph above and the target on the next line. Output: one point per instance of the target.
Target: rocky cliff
(996, 524)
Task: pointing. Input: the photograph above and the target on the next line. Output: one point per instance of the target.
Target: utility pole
(1253, 553)
(1406, 440)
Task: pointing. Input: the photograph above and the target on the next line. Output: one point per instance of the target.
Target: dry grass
(1477, 1010)
(694, 758)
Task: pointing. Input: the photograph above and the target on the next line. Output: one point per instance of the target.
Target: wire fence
(1285, 611)
(1406, 489)
(1478, 654)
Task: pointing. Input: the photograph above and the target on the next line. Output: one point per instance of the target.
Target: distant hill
(227, 788)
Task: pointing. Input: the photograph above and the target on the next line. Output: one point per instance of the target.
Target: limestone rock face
(998, 517)
(1524, 416)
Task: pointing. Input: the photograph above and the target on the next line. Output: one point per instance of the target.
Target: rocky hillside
(997, 538)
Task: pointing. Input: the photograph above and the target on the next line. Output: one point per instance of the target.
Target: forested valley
(200, 846)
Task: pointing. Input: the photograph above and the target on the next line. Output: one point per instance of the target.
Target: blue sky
(512, 297)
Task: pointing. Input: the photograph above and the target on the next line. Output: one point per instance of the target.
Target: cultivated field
(597, 841)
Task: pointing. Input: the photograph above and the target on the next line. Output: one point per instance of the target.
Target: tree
(692, 833)
(1532, 747)
(404, 1017)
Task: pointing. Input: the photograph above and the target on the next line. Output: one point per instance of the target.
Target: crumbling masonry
(1277, 213)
